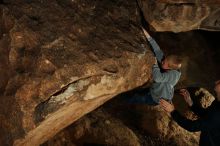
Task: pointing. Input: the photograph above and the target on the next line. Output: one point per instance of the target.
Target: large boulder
(62, 59)
(181, 15)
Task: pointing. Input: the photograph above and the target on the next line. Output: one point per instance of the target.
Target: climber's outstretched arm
(156, 49)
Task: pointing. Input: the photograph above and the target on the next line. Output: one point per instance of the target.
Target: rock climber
(208, 122)
(166, 73)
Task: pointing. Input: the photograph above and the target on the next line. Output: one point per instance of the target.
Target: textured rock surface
(98, 128)
(157, 122)
(62, 59)
(119, 124)
(201, 56)
(181, 15)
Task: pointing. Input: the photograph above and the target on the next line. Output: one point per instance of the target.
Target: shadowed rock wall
(62, 59)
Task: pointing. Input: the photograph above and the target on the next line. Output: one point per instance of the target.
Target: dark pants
(142, 98)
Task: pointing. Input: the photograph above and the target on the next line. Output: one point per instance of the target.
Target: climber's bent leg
(144, 98)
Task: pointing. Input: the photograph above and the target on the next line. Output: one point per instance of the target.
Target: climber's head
(217, 89)
(172, 62)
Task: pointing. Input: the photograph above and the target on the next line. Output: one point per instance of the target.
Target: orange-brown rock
(97, 128)
(62, 59)
(181, 15)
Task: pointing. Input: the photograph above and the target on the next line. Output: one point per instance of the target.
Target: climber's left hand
(166, 105)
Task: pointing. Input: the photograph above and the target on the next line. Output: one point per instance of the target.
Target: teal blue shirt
(164, 82)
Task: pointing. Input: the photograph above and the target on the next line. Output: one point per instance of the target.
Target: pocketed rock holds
(62, 59)
(101, 128)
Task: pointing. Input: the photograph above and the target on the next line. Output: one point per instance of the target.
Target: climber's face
(165, 64)
(217, 89)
